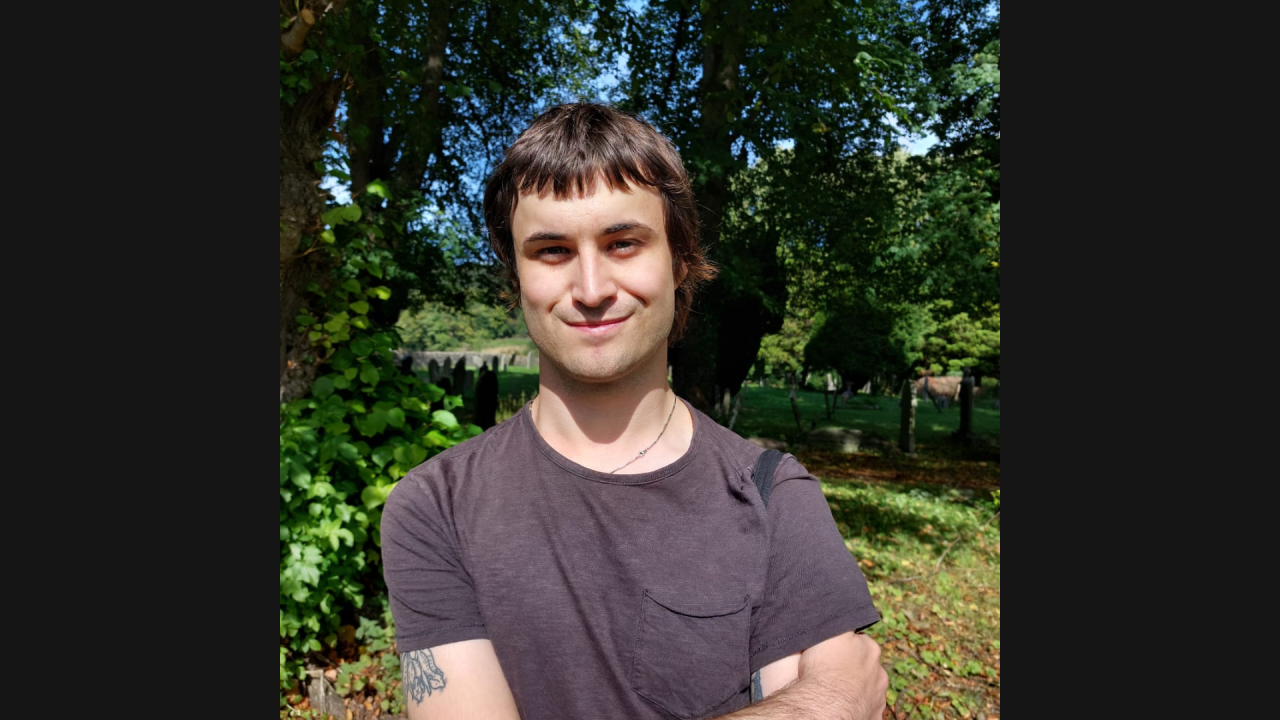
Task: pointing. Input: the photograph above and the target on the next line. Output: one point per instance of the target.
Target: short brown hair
(568, 148)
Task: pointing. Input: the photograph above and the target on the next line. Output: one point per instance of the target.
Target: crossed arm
(837, 679)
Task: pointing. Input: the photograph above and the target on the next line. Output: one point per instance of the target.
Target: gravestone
(487, 397)
(433, 370)
(965, 433)
(769, 443)
(468, 380)
(834, 439)
(907, 425)
(323, 696)
(447, 368)
(459, 372)
(795, 408)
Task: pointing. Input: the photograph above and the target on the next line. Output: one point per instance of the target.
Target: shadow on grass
(887, 517)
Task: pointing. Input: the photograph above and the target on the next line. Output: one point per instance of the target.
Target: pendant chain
(639, 455)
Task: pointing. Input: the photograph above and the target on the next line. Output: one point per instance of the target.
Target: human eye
(550, 251)
(625, 247)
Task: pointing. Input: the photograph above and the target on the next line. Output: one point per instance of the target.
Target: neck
(604, 425)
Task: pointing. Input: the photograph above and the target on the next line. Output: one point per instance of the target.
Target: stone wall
(474, 358)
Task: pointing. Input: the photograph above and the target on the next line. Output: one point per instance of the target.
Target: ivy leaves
(345, 446)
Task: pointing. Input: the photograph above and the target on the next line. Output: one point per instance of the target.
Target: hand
(850, 664)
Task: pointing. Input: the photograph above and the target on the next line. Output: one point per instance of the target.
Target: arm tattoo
(757, 694)
(421, 675)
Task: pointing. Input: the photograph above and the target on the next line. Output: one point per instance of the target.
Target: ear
(679, 270)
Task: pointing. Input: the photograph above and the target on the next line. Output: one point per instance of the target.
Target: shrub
(343, 447)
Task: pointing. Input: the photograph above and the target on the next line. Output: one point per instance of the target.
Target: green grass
(766, 412)
(516, 381)
(940, 627)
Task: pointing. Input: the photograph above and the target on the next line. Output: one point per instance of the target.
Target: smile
(596, 328)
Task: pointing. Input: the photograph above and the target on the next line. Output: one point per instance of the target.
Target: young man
(604, 553)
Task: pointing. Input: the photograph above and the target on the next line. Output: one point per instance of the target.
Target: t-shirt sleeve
(814, 589)
(433, 600)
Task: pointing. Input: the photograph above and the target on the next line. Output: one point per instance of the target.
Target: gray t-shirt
(617, 596)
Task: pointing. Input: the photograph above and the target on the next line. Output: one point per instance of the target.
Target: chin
(597, 371)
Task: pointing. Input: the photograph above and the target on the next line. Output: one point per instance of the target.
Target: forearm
(816, 697)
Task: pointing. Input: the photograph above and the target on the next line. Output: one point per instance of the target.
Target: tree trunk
(694, 362)
(424, 137)
(693, 371)
(303, 130)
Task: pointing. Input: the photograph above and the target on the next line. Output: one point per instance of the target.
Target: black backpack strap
(762, 476)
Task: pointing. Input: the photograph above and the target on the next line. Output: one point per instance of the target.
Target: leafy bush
(861, 339)
(343, 447)
(436, 326)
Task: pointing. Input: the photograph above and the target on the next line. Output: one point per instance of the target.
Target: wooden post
(907, 429)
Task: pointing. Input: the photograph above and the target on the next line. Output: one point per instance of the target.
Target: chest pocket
(692, 658)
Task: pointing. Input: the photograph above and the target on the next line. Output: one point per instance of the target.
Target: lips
(597, 326)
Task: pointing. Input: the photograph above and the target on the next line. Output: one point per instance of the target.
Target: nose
(594, 283)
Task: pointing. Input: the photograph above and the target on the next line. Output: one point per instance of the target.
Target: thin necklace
(639, 455)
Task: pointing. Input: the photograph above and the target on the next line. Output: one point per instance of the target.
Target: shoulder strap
(762, 476)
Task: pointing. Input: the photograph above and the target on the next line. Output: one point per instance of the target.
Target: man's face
(596, 283)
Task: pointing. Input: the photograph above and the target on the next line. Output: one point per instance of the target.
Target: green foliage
(958, 42)
(437, 326)
(375, 674)
(877, 250)
(945, 244)
(344, 446)
(783, 352)
(730, 82)
(962, 341)
(861, 339)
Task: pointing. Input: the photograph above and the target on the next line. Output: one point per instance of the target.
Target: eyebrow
(543, 235)
(626, 225)
(612, 229)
